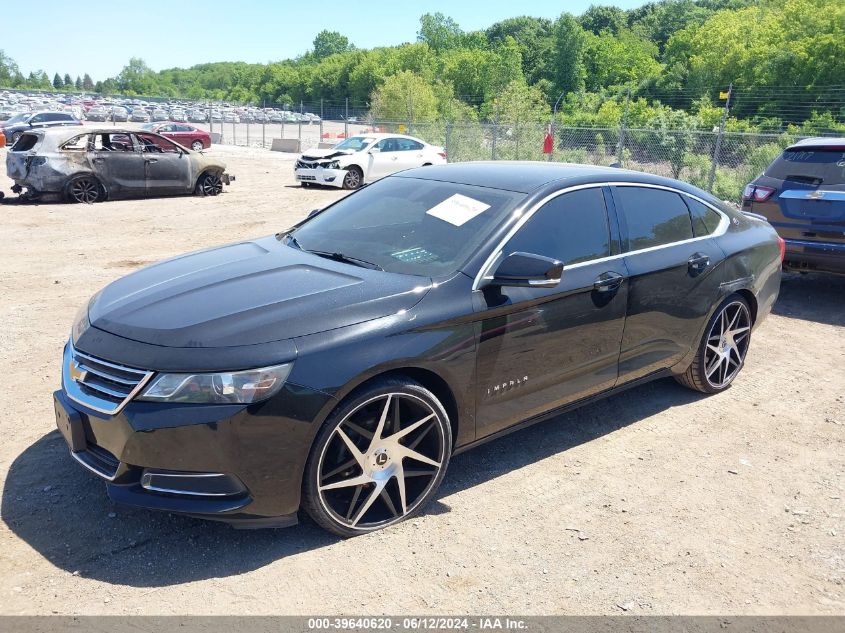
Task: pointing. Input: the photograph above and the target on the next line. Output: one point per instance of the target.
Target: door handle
(698, 263)
(608, 282)
(99, 160)
(151, 160)
(394, 158)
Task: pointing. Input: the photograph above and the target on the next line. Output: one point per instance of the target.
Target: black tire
(350, 494)
(354, 178)
(304, 185)
(721, 354)
(209, 184)
(197, 146)
(84, 189)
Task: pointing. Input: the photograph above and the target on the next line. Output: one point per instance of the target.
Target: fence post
(263, 132)
(495, 132)
(247, 133)
(621, 146)
(717, 150)
(448, 140)
(321, 121)
(234, 134)
(346, 120)
(300, 134)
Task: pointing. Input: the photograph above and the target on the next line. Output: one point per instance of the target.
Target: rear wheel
(197, 146)
(721, 353)
(84, 189)
(209, 184)
(378, 459)
(353, 178)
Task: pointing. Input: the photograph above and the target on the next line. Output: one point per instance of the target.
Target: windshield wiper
(346, 259)
(338, 257)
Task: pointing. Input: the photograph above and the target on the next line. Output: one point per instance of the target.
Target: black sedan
(337, 366)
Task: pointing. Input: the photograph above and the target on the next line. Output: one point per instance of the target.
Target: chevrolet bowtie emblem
(817, 194)
(76, 372)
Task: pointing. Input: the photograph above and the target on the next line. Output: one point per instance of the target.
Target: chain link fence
(689, 155)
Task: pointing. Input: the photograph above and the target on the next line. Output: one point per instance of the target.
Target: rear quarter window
(25, 143)
(654, 217)
(704, 219)
(815, 166)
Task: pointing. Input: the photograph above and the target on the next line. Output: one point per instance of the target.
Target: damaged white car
(99, 164)
(365, 158)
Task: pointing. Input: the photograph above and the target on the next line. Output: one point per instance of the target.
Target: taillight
(758, 193)
(782, 244)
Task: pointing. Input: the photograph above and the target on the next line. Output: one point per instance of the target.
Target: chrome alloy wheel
(352, 179)
(727, 344)
(85, 190)
(381, 461)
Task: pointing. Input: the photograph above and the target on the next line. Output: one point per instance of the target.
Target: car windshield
(409, 225)
(356, 143)
(812, 165)
(18, 118)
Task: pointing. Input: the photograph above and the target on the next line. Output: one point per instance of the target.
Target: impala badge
(501, 387)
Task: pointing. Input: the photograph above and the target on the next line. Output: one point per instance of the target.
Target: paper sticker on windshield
(458, 209)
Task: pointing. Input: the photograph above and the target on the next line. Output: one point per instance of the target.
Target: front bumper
(241, 464)
(804, 255)
(321, 176)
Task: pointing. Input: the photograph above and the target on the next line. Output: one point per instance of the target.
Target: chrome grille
(302, 164)
(98, 384)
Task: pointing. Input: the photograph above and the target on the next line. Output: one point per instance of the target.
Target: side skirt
(543, 417)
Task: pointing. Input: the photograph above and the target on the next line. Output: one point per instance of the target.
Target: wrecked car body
(99, 164)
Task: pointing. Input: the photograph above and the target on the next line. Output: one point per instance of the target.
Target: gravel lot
(658, 501)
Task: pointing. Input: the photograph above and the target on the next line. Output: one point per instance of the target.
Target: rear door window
(571, 228)
(813, 166)
(654, 217)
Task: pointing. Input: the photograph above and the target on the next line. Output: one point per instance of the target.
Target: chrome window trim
(484, 273)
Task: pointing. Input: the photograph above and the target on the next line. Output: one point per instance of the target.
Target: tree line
(668, 61)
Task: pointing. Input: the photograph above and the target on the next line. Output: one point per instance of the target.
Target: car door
(385, 159)
(542, 348)
(411, 154)
(674, 278)
(167, 169)
(38, 120)
(117, 163)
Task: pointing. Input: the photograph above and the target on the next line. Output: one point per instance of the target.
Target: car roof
(381, 135)
(837, 142)
(528, 176)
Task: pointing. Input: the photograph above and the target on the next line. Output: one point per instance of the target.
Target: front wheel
(721, 352)
(209, 184)
(353, 178)
(378, 459)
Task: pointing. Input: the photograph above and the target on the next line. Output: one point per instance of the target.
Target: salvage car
(96, 165)
(182, 133)
(26, 121)
(336, 366)
(802, 194)
(365, 158)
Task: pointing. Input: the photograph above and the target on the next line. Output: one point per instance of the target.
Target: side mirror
(375, 150)
(528, 270)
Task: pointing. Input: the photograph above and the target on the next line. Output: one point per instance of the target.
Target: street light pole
(554, 118)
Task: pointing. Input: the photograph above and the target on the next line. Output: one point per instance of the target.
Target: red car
(182, 133)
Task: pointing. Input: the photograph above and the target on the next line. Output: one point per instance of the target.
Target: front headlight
(332, 165)
(239, 387)
(81, 321)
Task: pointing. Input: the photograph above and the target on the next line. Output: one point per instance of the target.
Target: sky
(99, 36)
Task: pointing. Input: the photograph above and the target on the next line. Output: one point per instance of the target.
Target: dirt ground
(657, 501)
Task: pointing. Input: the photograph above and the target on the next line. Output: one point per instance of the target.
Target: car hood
(246, 294)
(314, 154)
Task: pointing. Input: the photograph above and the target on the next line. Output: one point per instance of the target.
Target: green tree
(623, 59)
(405, 97)
(533, 36)
(10, 74)
(568, 55)
(136, 78)
(67, 81)
(521, 112)
(78, 83)
(87, 83)
(600, 18)
(439, 31)
(329, 43)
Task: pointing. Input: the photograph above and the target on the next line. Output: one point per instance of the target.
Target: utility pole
(346, 120)
(718, 147)
(621, 147)
(554, 118)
